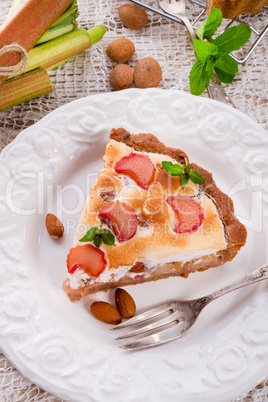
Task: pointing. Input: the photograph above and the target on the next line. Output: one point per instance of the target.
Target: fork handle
(188, 25)
(258, 275)
(217, 92)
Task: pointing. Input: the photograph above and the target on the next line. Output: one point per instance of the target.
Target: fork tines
(161, 330)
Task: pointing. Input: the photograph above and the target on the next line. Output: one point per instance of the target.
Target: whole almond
(124, 303)
(105, 312)
(54, 226)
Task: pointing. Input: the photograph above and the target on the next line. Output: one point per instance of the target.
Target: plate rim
(50, 115)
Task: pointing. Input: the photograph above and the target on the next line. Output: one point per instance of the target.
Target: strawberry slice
(138, 167)
(121, 218)
(189, 214)
(88, 257)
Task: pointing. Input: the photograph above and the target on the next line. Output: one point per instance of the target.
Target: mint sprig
(214, 55)
(99, 235)
(210, 26)
(186, 173)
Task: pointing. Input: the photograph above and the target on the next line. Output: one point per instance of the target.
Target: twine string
(17, 69)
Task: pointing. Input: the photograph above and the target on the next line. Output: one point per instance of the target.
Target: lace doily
(88, 74)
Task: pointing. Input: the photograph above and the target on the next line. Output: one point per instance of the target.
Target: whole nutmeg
(121, 77)
(54, 226)
(120, 50)
(132, 16)
(124, 303)
(105, 312)
(147, 73)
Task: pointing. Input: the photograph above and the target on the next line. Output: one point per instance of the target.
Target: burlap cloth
(88, 74)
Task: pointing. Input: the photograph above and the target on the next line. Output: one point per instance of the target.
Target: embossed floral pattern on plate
(59, 345)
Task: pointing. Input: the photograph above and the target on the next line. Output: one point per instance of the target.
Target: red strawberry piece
(88, 257)
(189, 214)
(138, 167)
(121, 219)
(75, 267)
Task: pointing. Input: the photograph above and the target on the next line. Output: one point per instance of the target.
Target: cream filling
(79, 278)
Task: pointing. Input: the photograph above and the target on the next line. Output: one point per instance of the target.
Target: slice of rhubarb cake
(150, 215)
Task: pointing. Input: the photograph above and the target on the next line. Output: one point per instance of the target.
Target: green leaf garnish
(223, 76)
(107, 236)
(187, 168)
(186, 173)
(233, 38)
(210, 26)
(226, 63)
(214, 55)
(99, 235)
(204, 49)
(173, 170)
(200, 77)
(97, 240)
(196, 177)
(184, 179)
(89, 236)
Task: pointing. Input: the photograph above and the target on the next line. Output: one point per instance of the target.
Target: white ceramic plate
(59, 345)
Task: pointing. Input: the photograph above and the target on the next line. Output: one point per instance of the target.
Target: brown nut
(54, 226)
(121, 77)
(120, 50)
(107, 194)
(105, 312)
(147, 73)
(138, 267)
(124, 303)
(132, 16)
(143, 222)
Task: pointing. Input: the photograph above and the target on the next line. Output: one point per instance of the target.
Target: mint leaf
(210, 26)
(185, 173)
(226, 63)
(199, 77)
(89, 236)
(210, 63)
(196, 177)
(233, 38)
(204, 49)
(107, 236)
(187, 168)
(173, 170)
(184, 179)
(215, 55)
(98, 236)
(98, 240)
(224, 77)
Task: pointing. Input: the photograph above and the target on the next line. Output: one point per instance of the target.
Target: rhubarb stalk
(71, 12)
(24, 87)
(65, 23)
(52, 53)
(27, 24)
(55, 33)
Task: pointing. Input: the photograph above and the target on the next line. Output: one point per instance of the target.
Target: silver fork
(179, 315)
(177, 8)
